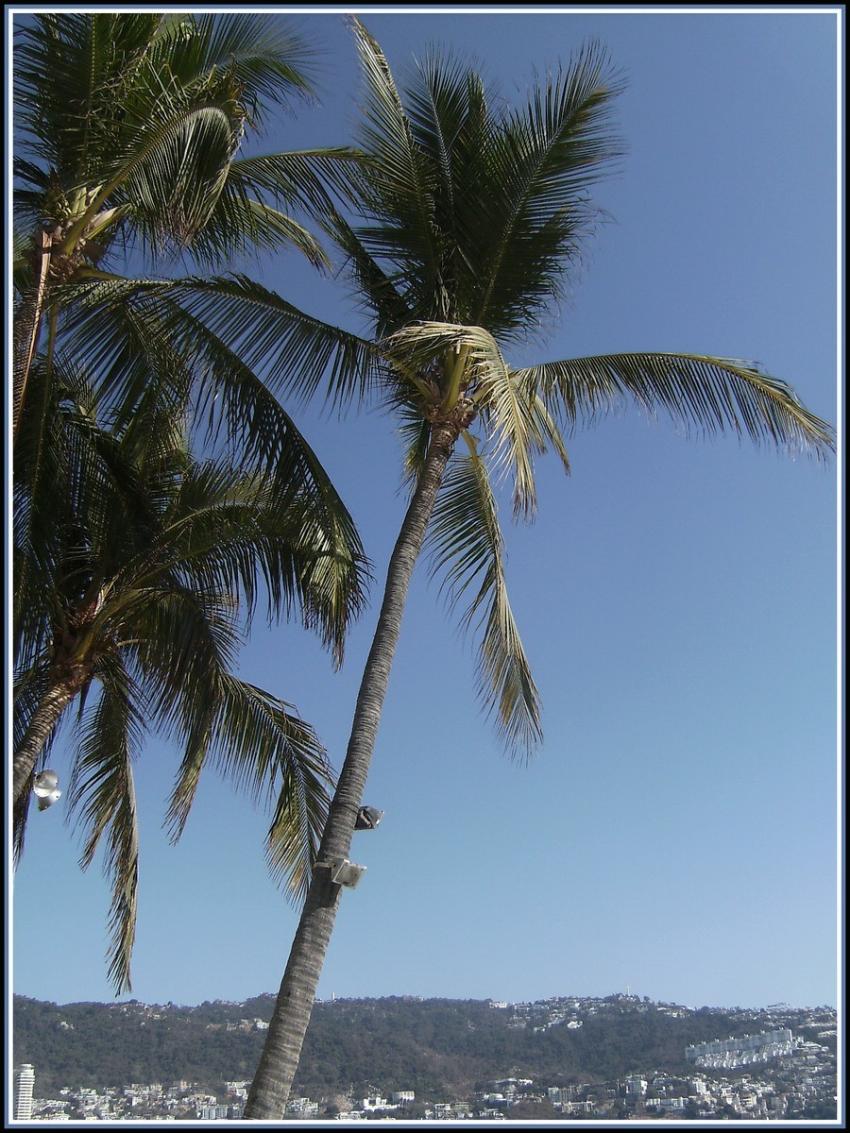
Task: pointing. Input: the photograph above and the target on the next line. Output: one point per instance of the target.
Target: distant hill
(439, 1047)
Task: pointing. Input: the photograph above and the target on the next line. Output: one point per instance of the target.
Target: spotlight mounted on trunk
(45, 787)
(368, 818)
(342, 871)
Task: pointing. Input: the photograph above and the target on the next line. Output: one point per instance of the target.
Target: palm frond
(540, 161)
(305, 179)
(708, 393)
(257, 741)
(240, 224)
(102, 793)
(404, 189)
(269, 60)
(376, 290)
(292, 351)
(467, 548)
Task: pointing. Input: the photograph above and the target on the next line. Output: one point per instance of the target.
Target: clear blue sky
(677, 598)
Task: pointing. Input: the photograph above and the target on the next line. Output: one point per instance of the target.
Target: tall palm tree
(141, 583)
(470, 216)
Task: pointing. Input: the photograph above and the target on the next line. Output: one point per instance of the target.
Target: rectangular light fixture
(343, 872)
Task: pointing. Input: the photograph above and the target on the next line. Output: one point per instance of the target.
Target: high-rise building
(23, 1100)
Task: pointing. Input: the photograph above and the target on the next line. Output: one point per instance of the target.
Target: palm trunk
(279, 1062)
(27, 327)
(60, 692)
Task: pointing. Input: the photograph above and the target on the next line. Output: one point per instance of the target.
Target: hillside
(434, 1045)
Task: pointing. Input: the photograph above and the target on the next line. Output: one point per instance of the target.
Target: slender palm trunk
(61, 690)
(27, 327)
(282, 1051)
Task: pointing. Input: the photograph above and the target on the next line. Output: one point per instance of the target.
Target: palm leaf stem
(455, 377)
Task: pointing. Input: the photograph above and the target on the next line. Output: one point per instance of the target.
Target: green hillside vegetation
(437, 1047)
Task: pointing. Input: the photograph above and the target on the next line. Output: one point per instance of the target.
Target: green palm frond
(710, 393)
(130, 350)
(256, 740)
(103, 794)
(171, 171)
(467, 548)
(264, 55)
(292, 351)
(150, 109)
(239, 224)
(539, 164)
(305, 179)
(184, 639)
(376, 291)
(387, 139)
(415, 435)
(335, 571)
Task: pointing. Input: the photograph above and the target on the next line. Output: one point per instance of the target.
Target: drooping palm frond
(334, 568)
(709, 393)
(240, 224)
(257, 741)
(102, 792)
(292, 351)
(467, 549)
(65, 469)
(306, 179)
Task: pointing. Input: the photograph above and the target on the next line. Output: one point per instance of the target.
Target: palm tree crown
(470, 215)
(130, 128)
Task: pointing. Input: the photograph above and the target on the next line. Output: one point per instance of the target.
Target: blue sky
(677, 598)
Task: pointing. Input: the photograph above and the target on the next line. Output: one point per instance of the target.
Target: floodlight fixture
(45, 787)
(343, 872)
(368, 818)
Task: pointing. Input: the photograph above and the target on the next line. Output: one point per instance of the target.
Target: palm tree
(130, 127)
(470, 214)
(141, 583)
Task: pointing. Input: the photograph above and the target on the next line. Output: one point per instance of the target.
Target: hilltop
(401, 1043)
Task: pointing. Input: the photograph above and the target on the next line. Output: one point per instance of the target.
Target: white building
(367, 1104)
(212, 1112)
(23, 1101)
